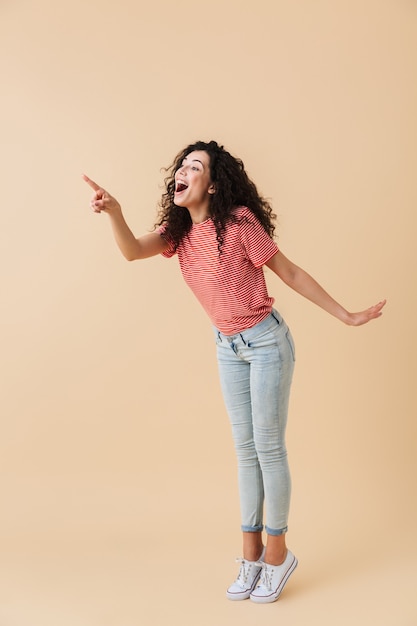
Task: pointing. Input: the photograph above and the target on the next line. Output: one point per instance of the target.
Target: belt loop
(242, 338)
(275, 318)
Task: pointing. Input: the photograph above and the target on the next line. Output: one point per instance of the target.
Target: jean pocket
(291, 343)
(265, 340)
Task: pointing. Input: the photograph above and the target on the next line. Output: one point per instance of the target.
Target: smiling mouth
(180, 187)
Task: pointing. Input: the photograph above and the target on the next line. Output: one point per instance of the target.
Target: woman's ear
(212, 189)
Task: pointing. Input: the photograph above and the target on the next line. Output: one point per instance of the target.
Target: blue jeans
(256, 368)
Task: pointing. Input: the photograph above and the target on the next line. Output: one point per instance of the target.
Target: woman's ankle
(252, 546)
(276, 550)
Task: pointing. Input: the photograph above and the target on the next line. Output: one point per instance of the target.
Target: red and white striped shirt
(231, 286)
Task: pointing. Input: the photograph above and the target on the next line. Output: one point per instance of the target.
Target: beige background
(117, 480)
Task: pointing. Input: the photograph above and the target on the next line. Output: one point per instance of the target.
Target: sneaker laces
(245, 567)
(266, 575)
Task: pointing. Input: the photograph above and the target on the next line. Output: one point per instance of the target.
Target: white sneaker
(247, 578)
(273, 579)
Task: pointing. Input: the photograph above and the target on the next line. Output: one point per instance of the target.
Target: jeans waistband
(272, 320)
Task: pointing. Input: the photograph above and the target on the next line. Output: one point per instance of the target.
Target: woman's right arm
(131, 247)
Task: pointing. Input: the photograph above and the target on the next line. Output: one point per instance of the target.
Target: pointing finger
(90, 182)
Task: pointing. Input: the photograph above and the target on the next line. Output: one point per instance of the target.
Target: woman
(214, 219)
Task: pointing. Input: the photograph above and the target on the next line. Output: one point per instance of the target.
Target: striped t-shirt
(231, 287)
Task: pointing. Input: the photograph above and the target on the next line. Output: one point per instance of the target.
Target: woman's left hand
(362, 317)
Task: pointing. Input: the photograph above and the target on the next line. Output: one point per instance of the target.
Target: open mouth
(179, 187)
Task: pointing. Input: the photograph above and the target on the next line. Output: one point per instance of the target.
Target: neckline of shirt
(196, 224)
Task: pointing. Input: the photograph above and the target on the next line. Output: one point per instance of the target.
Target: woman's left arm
(304, 284)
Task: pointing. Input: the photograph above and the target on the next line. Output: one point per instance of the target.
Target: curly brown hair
(233, 189)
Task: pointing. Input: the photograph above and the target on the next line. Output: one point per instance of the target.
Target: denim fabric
(256, 368)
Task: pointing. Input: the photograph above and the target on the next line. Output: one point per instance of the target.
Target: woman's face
(193, 185)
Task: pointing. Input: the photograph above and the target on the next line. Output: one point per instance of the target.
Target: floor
(126, 579)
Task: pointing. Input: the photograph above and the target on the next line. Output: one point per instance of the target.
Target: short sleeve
(170, 251)
(258, 245)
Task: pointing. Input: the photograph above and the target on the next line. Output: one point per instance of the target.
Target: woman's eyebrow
(198, 160)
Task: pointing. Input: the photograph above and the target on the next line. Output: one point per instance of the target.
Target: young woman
(221, 229)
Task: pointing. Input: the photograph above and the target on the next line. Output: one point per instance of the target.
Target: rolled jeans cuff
(252, 529)
(275, 532)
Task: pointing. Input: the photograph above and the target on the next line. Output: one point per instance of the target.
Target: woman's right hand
(101, 200)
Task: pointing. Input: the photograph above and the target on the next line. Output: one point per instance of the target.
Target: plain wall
(112, 422)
